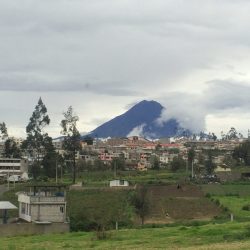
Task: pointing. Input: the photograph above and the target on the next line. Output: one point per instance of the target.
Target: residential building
(13, 166)
(43, 204)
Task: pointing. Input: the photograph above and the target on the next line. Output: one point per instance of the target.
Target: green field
(233, 197)
(235, 204)
(102, 178)
(237, 189)
(211, 236)
(196, 221)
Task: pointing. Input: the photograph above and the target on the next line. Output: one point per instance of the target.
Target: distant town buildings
(133, 153)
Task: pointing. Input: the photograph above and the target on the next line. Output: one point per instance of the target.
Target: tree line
(38, 146)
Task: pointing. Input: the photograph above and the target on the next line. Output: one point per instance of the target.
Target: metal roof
(7, 205)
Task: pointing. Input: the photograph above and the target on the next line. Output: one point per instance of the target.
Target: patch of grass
(209, 236)
(228, 189)
(235, 205)
(102, 178)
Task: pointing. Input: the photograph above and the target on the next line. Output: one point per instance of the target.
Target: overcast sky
(101, 56)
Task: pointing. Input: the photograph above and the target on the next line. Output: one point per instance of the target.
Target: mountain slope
(140, 119)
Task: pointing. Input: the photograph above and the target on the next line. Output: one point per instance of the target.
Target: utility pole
(74, 166)
(115, 169)
(8, 180)
(56, 169)
(192, 169)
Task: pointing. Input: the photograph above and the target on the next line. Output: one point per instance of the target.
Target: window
(23, 208)
(62, 209)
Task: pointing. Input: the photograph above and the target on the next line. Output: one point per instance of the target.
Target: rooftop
(7, 205)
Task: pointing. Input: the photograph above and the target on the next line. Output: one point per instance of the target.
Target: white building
(118, 183)
(13, 166)
(43, 204)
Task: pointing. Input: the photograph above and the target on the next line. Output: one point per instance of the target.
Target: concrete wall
(32, 229)
(46, 212)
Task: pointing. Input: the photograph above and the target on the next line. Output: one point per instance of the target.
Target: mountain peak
(141, 118)
(148, 103)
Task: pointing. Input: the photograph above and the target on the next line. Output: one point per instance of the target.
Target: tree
(191, 156)
(141, 202)
(209, 165)
(177, 164)
(232, 134)
(37, 139)
(88, 139)
(71, 141)
(11, 149)
(155, 163)
(118, 163)
(51, 159)
(242, 153)
(36, 135)
(3, 130)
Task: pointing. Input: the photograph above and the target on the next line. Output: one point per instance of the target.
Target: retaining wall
(32, 229)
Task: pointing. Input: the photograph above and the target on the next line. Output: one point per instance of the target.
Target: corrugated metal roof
(7, 205)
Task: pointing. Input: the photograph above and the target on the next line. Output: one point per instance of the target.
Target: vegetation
(155, 163)
(71, 142)
(177, 164)
(11, 150)
(210, 236)
(209, 165)
(140, 200)
(3, 131)
(99, 211)
(242, 153)
(38, 143)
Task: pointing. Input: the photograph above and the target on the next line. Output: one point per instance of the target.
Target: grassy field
(210, 236)
(239, 189)
(102, 178)
(235, 205)
(233, 197)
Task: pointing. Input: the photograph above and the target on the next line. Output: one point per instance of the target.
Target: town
(131, 153)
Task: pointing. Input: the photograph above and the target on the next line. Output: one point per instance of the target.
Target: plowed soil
(172, 203)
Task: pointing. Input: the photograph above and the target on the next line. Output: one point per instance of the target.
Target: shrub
(217, 202)
(208, 195)
(246, 207)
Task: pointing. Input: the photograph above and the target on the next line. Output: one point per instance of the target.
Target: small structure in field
(43, 204)
(118, 183)
(5, 206)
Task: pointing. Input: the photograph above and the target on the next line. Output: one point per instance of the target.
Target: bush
(246, 207)
(81, 224)
(232, 194)
(225, 209)
(208, 195)
(217, 202)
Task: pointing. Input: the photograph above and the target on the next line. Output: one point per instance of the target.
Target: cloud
(220, 96)
(34, 83)
(112, 53)
(137, 131)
